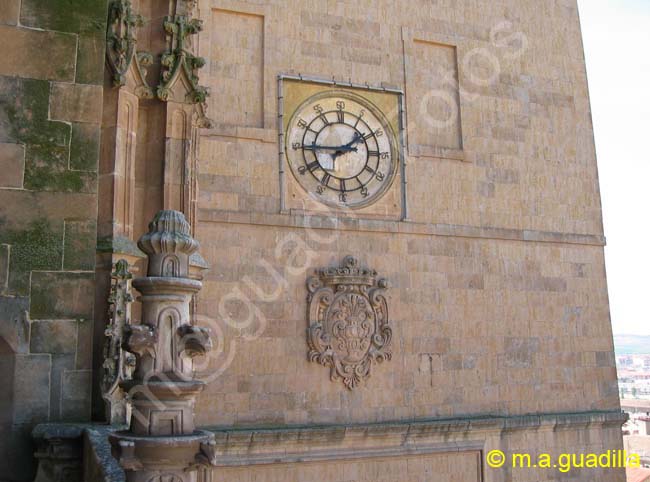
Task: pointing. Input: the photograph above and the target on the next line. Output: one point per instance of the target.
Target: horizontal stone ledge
(250, 446)
(296, 220)
(260, 134)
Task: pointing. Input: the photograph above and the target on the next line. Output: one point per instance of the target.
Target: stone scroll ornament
(349, 328)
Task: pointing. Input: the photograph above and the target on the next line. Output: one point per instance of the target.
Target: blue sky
(617, 38)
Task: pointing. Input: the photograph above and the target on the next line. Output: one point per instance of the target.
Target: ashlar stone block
(20, 44)
(12, 165)
(62, 295)
(76, 395)
(76, 102)
(9, 10)
(78, 16)
(79, 245)
(58, 336)
(31, 388)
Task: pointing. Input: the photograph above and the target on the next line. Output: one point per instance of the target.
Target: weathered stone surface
(78, 16)
(60, 364)
(79, 245)
(75, 395)
(9, 10)
(31, 388)
(76, 102)
(84, 355)
(5, 250)
(90, 59)
(55, 337)
(7, 367)
(36, 246)
(25, 105)
(14, 323)
(45, 224)
(520, 352)
(46, 208)
(99, 463)
(25, 114)
(17, 448)
(62, 295)
(84, 147)
(12, 165)
(20, 44)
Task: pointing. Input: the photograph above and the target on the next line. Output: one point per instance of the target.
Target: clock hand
(347, 147)
(355, 139)
(314, 147)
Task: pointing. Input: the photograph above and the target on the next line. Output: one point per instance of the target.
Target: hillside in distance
(632, 344)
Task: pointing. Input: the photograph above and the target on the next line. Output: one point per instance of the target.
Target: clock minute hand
(315, 147)
(355, 139)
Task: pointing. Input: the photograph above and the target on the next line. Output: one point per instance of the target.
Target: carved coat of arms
(349, 328)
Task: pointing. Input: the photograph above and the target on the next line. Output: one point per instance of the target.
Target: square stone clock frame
(293, 90)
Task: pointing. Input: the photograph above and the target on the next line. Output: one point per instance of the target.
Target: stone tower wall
(499, 296)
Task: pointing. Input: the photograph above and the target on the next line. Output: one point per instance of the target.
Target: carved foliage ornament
(120, 49)
(179, 62)
(349, 328)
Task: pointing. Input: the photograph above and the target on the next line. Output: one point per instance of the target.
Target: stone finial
(163, 389)
(169, 245)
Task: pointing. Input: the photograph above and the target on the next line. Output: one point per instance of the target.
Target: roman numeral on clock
(325, 180)
(373, 153)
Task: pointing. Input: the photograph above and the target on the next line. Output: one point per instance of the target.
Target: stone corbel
(140, 340)
(195, 340)
(208, 453)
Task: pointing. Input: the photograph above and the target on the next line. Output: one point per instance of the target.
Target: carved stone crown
(168, 245)
(349, 273)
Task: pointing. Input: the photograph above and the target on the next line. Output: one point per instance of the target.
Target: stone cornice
(341, 223)
(235, 447)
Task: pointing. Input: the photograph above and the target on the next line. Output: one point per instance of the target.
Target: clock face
(341, 149)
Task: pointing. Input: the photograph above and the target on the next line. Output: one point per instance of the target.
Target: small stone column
(162, 442)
